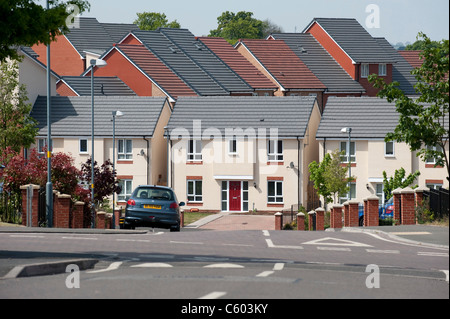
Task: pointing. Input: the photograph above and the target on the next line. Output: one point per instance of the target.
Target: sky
(399, 20)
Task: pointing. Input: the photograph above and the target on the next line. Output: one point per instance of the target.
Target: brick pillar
(278, 221)
(346, 214)
(320, 219)
(353, 207)
(310, 219)
(372, 211)
(336, 216)
(77, 215)
(117, 215)
(181, 217)
(34, 205)
(408, 206)
(300, 221)
(100, 222)
(108, 220)
(61, 211)
(396, 193)
(419, 195)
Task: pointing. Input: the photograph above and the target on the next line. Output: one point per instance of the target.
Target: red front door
(235, 196)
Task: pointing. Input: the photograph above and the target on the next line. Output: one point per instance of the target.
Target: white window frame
(41, 143)
(196, 198)
(275, 198)
(344, 158)
(194, 150)
(233, 146)
(273, 153)
(382, 69)
(122, 153)
(127, 190)
(352, 192)
(364, 70)
(393, 149)
(432, 160)
(79, 146)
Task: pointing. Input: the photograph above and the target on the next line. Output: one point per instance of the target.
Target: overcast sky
(400, 20)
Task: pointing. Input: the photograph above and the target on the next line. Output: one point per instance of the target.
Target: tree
(17, 129)
(104, 179)
(423, 122)
(154, 20)
(269, 27)
(234, 26)
(397, 181)
(329, 176)
(25, 23)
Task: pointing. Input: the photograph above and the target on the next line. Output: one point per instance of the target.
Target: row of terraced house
(230, 128)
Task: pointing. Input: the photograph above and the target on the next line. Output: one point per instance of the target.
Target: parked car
(384, 211)
(152, 206)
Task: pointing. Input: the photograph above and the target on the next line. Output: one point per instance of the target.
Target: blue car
(152, 206)
(385, 211)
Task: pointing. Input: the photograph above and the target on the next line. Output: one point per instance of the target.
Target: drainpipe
(148, 160)
(298, 174)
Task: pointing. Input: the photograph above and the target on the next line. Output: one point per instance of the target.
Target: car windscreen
(153, 193)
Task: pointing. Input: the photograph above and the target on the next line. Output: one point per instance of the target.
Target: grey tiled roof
(290, 115)
(401, 70)
(354, 40)
(71, 116)
(96, 37)
(320, 62)
(107, 86)
(192, 62)
(369, 117)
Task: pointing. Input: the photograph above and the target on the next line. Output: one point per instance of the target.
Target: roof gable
(237, 62)
(353, 39)
(288, 115)
(283, 64)
(71, 116)
(106, 86)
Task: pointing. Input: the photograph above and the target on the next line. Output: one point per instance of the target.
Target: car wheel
(175, 228)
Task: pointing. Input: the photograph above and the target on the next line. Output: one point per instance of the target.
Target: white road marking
(278, 266)
(334, 248)
(134, 240)
(266, 233)
(380, 251)
(214, 295)
(446, 274)
(224, 265)
(335, 242)
(152, 265)
(265, 273)
(271, 245)
(186, 242)
(113, 266)
(432, 254)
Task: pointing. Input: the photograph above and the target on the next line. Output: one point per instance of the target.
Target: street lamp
(349, 131)
(94, 63)
(114, 115)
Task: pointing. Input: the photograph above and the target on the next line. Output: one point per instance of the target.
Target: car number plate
(152, 206)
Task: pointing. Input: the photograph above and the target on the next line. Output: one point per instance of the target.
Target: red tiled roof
(238, 63)
(283, 64)
(412, 57)
(156, 70)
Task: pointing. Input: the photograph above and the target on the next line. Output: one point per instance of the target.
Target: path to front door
(235, 196)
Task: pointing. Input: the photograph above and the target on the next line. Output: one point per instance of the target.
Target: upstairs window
(382, 71)
(364, 70)
(194, 151)
(275, 151)
(125, 149)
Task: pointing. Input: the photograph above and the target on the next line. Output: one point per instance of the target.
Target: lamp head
(346, 130)
(99, 63)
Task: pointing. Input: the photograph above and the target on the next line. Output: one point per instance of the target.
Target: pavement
(426, 235)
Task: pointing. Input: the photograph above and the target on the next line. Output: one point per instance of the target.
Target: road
(245, 264)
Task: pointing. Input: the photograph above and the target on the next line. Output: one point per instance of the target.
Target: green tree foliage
(398, 181)
(154, 20)
(17, 129)
(234, 26)
(329, 176)
(25, 23)
(423, 122)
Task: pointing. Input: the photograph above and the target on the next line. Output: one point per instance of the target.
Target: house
(142, 72)
(321, 63)
(71, 52)
(81, 86)
(33, 74)
(242, 153)
(239, 64)
(356, 51)
(141, 151)
(370, 119)
(282, 66)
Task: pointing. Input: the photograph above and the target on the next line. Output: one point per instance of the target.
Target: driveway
(235, 222)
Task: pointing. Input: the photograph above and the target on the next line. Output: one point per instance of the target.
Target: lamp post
(349, 131)
(114, 115)
(49, 185)
(94, 63)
